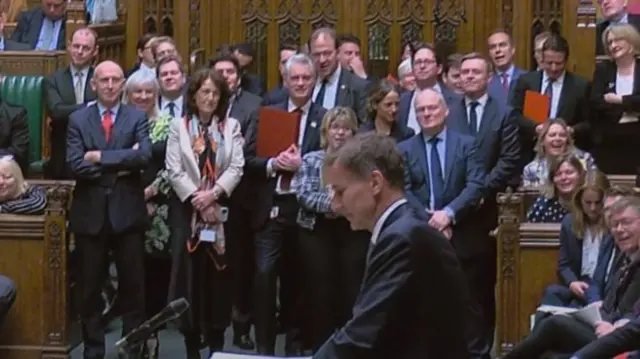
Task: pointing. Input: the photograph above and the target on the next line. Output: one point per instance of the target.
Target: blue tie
(437, 179)
(473, 118)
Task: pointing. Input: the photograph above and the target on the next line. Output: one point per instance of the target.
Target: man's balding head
(108, 82)
(431, 111)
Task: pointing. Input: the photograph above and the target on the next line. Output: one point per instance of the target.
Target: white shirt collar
(305, 109)
(74, 70)
(545, 79)
(442, 135)
(383, 218)
(335, 76)
(482, 100)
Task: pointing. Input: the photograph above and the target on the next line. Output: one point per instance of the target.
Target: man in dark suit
(14, 134)
(244, 107)
(569, 94)
(279, 93)
(250, 82)
(622, 340)
(335, 86)
(8, 44)
(444, 178)
(426, 69)
(413, 298)
(43, 27)
(107, 147)
(66, 91)
(502, 53)
(613, 12)
(171, 77)
(274, 219)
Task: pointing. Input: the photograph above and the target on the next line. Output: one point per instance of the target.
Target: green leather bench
(27, 91)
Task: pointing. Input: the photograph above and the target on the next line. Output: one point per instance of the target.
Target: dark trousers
(157, 272)
(562, 296)
(7, 296)
(128, 255)
(240, 250)
(480, 271)
(276, 248)
(195, 277)
(558, 336)
(333, 258)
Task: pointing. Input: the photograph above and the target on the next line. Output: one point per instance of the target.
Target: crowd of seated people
(221, 226)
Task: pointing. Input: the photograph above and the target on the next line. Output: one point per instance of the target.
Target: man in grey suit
(335, 86)
(8, 44)
(413, 298)
(244, 107)
(66, 91)
(107, 147)
(43, 27)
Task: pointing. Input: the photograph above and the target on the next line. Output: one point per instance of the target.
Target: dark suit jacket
(413, 299)
(256, 167)
(600, 27)
(618, 302)
(352, 93)
(573, 107)
(464, 178)
(252, 83)
(60, 101)
(498, 92)
(570, 255)
(398, 131)
(600, 282)
(246, 109)
(10, 45)
(605, 126)
(100, 194)
(620, 341)
(405, 102)
(276, 95)
(14, 134)
(497, 143)
(28, 29)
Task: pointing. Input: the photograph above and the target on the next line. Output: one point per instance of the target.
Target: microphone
(144, 331)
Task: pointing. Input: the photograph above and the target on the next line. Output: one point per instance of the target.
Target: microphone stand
(134, 346)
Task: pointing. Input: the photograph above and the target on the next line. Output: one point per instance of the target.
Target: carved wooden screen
(159, 17)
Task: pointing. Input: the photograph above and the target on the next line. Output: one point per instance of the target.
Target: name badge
(208, 235)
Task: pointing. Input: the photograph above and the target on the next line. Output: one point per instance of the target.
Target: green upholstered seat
(27, 91)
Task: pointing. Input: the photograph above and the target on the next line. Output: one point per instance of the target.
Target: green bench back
(27, 91)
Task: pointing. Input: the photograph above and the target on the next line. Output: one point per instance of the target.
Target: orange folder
(536, 106)
(277, 130)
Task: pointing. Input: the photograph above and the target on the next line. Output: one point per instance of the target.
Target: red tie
(107, 124)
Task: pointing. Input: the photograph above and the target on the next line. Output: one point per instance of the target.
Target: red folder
(277, 130)
(536, 106)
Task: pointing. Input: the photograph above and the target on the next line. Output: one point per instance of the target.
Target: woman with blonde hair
(566, 175)
(16, 195)
(583, 236)
(555, 138)
(331, 253)
(142, 90)
(615, 98)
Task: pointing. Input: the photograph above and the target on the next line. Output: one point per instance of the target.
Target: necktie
(47, 35)
(78, 88)
(437, 179)
(320, 97)
(286, 177)
(549, 92)
(504, 77)
(473, 118)
(172, 109)
(107, 125)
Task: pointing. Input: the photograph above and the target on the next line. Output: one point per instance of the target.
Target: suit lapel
(461, 119)
(450, 155)
(342, 91)
(565, 94)
(421, 150)
(311, 126)
(121, 123)
(36, 27)
(89, 94)
(228, 144)
(537, 82)
(185, 147)
(96, 128)
(405, 103)
(491, 111)
(69, 89)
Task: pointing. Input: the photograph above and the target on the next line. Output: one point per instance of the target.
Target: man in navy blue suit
(413, 299)
(502, 53)
(444, 178)
(107, 146)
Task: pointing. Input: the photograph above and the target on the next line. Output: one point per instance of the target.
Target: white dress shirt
(557, 91)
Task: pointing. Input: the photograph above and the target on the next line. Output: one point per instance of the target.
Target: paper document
(245, 356)
(589, 314)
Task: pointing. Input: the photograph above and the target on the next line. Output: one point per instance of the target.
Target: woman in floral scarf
(142, 89)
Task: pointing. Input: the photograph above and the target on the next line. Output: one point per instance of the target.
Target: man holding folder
(286, 131)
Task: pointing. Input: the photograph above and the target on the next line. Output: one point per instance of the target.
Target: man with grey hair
(335, 86)
(275, 217)
(413, 297)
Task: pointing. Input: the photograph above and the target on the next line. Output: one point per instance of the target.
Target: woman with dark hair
(382, 108)
(146, 60)
(204, 162)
